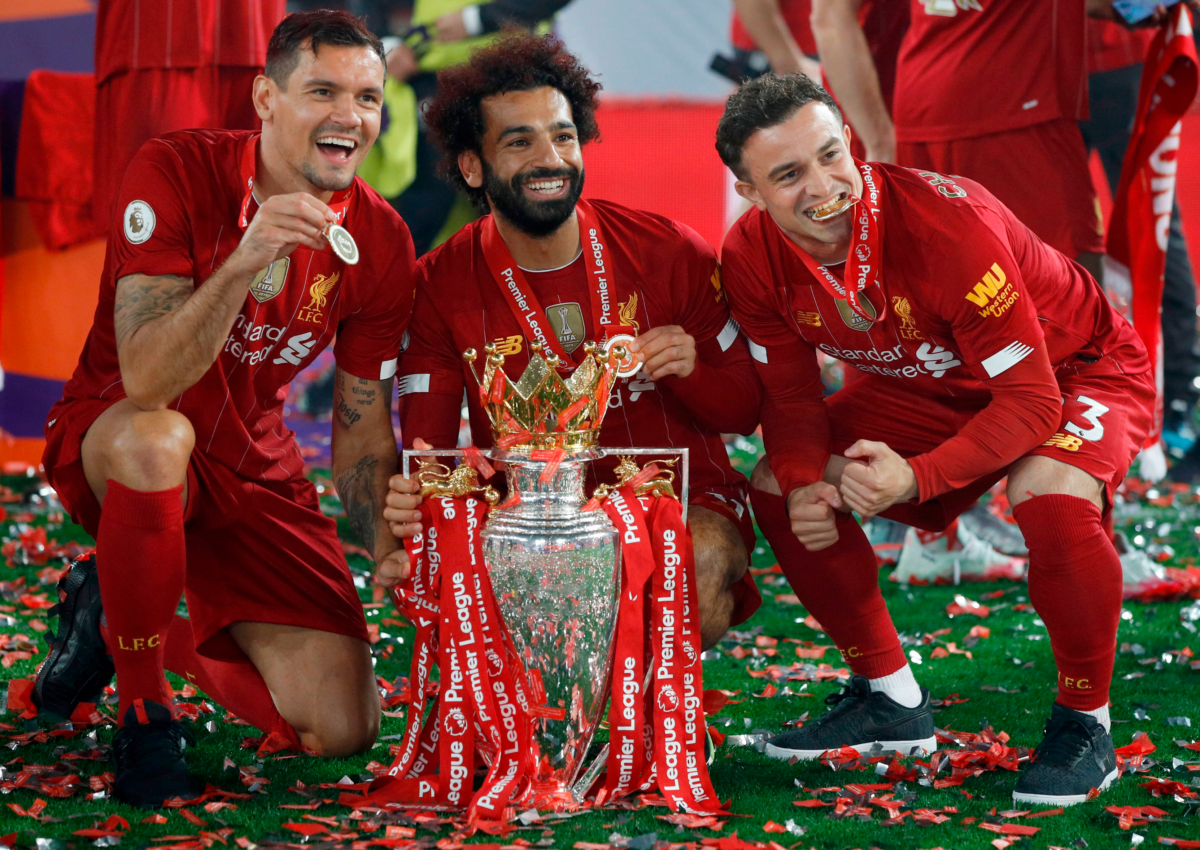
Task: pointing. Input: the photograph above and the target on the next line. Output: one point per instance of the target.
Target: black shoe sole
(922, 745)
(89, 687)
(1062, 799)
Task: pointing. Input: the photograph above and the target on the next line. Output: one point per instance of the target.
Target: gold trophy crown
(543, 410)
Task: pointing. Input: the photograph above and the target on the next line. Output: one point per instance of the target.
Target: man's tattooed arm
(356, 487)
(364, 457)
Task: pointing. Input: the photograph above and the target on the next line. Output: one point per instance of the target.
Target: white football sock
(1101, 714)
(900, 686)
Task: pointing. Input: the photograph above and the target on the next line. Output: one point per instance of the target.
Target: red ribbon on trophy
(1141, 214)
(487, 701)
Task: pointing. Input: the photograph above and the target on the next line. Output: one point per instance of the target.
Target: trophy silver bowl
(556, 573)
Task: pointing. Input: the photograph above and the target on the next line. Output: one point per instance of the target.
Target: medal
(631, 362)
(864, 262)
(342, 243)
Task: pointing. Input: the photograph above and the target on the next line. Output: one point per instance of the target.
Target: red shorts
(732, 502)
(1106, 416)
(257, 551)
(1040, 173)
(135, 106)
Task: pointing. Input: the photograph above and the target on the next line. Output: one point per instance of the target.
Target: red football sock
(838, 585)
(235, 685)
(1075, 586)
(140, 562)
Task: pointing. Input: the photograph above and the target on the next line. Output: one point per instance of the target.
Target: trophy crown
(542, 409)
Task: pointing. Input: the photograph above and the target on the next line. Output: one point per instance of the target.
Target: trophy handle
(599, 452)
(682, 453)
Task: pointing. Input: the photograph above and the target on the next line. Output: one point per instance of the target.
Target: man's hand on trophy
(666, 350)
(811, 510)
(401, 505)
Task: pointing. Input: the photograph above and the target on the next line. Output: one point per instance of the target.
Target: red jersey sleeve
(994, 322)
(152, 228)
(795, 422)
(431, 379)
(723, 391)
(368, 339)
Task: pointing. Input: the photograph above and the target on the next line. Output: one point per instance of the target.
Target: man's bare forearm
(169, 332)
(767, 26)
(364, 457)
(852, 75)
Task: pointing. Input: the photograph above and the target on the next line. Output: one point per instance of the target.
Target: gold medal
(342, 243)
(631, 362)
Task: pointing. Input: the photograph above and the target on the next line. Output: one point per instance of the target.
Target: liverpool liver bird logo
(318, 293)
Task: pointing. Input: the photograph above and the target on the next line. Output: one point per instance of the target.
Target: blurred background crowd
(69, 69)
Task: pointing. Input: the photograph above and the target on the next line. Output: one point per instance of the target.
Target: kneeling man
(983, 353)
(545, 266)
(169, 446)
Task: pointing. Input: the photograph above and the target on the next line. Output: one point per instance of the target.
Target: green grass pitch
(1008, 683)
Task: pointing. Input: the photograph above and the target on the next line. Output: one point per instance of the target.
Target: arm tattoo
(363, 394)
(356, 488)
(142, 298)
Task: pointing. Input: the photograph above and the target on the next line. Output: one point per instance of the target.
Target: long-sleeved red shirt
(671, 274)
(978, 309)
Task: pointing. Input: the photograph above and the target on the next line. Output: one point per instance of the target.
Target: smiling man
(983, 352)
(546, 266)
(220, 284)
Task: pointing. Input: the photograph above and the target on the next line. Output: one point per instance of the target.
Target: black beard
(535, 218)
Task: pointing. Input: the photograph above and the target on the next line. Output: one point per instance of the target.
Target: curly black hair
(514, 63)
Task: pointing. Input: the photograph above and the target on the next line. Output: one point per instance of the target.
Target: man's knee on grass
(721, 559)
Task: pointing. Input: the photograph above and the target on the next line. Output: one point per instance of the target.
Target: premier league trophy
(554, 561)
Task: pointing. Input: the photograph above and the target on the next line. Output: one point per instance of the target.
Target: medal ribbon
(525, 305)
(626, 714)
(419, 604)
(488, 700)
(338, 203)
(679, 727)
(864, 262)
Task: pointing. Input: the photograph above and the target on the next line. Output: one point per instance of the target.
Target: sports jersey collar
(339, 203)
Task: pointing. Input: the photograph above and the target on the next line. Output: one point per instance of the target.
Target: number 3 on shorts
(1092, 415)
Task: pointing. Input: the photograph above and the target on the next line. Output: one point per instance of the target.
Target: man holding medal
(985, 352)
(232, 264)
(547, 267)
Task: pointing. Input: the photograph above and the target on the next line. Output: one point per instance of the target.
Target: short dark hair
(514, 63)
(765, 101)
(335, 27)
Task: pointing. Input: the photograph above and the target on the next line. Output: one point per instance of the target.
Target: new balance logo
(937, 360)
(1006, 358)
(298, 347)
(950, 8)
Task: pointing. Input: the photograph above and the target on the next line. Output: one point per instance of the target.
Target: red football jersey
(969, 292)
(177, 213)
(664, 273)
(972, 67)
(134, 34)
